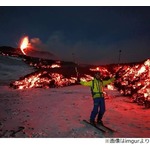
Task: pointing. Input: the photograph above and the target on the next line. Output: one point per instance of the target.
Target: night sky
(94, 34)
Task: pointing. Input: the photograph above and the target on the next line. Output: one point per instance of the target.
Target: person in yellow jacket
(98, 97)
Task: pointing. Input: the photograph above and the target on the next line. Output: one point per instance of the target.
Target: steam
(41, 50)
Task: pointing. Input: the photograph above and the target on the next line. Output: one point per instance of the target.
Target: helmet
(97, 74)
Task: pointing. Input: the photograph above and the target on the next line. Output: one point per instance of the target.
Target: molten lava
(24, 44)
(135, 82)
(131, 79)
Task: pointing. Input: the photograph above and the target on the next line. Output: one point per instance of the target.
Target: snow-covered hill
(12, 68)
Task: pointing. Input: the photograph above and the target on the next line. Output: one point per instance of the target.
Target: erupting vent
(24, 44)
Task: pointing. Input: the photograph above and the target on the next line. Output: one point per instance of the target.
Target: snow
(12, 68)
(58, 113)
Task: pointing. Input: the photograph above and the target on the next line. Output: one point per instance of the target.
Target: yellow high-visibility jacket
(97, 86)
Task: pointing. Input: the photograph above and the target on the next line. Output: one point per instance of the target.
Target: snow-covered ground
(58, 112)
(12, 68)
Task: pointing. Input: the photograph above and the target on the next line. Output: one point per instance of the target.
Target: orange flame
(24, 44)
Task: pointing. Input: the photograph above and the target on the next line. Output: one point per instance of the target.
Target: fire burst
(24, 44)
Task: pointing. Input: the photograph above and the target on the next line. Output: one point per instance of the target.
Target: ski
(102, 125)
(95, 126)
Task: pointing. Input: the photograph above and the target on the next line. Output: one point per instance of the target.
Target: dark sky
(94, 34)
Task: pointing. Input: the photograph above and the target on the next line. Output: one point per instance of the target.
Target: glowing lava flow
(24, 44)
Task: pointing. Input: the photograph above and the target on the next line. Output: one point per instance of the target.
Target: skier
(98, 97)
